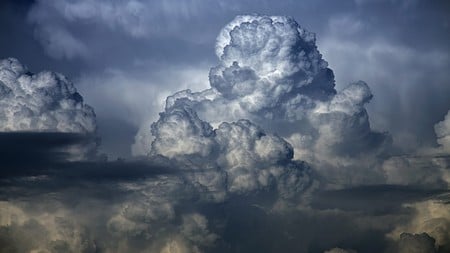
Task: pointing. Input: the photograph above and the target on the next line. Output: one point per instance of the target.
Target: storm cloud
(271, 73)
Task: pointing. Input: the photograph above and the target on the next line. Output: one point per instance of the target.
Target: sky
(224, 126)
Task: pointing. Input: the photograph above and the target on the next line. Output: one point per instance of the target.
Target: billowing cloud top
(265, 58)
(40, 102)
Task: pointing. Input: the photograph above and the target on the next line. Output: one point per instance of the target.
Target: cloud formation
(45, 101)
(442, 130)
(412, 243)
(272, 74)
(272, 100)
(234, 168)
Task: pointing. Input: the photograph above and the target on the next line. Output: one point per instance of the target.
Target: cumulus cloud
(272, 100)
(271, 73)
(45, 102)
(41, 102)
(226, 168)
(239, 154)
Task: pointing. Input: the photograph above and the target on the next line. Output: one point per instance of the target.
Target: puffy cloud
(41, 102)
(45, 102)
(180, 132)
(53, 231)
(239, 154)
(272, 74)
(265, 58)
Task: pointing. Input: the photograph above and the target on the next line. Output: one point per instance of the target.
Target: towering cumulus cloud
(272, 74)
(43, 102)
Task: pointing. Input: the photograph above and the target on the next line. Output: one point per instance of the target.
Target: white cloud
(271, 73)
(41, 102)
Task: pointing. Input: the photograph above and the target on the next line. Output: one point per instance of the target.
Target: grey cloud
(442, 130)
(376, 199)
(384, 51)
(426, 170)
(59, 24)
(195, 229)
(422, 243)
(430, 217)
(338, 250)
(33, 153)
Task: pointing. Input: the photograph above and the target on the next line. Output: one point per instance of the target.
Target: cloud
(41, 102)
(430, 217)
(237, 153)
(45, 102)
(442, 130)
(371, 56)
(428, 167)
(271, 73)
(226, 169)
(425, 170)
(416, 243)
(355, 199)
(338, 250)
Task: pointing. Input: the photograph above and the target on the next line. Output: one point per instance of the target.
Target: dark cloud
(32, 152)
(416, 243)
(376, 199)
